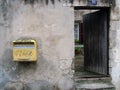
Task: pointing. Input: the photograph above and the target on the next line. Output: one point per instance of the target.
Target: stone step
(105, 79)
(103, 83)
(94, 86)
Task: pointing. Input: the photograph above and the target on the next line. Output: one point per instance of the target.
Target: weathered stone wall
(114, 41)
(52, 27)
(114, 48)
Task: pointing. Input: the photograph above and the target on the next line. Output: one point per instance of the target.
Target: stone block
(112, 38)
(39, 85)
(65, 83)
(115, 25)
(115, 14)
(14, 86)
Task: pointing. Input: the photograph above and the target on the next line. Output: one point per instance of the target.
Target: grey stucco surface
(52, 28)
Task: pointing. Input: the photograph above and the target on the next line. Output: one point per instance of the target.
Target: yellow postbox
(24, 50)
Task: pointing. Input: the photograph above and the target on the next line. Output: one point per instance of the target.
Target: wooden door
(96, 42)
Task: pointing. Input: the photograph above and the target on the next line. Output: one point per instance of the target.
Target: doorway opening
(91, 37)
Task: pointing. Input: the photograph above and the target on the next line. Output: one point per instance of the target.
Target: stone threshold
(102, 83)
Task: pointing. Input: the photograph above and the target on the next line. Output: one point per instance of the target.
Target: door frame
(107, 9)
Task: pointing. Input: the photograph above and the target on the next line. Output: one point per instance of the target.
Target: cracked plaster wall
(51, 26)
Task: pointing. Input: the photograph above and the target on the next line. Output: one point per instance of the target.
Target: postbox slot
(23, 43)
